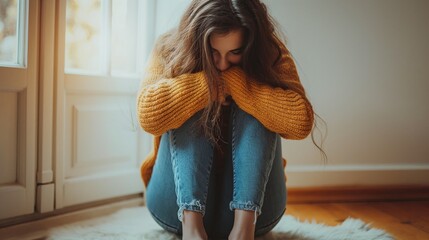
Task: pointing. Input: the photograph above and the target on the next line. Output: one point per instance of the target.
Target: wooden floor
(403, 220)
(406, 220)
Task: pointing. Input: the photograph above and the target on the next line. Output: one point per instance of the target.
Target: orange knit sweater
(166, 103)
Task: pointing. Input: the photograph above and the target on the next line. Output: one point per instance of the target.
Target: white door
(98, 145)
(18, 106)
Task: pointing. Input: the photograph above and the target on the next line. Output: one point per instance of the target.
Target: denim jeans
(252, 179)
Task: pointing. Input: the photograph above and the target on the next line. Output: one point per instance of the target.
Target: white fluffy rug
(136, 223)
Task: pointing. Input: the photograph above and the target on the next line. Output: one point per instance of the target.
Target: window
(12, 32)
(102, 37)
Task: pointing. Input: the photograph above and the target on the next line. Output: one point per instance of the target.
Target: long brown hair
(187, 49)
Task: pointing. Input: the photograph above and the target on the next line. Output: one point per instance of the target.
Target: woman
(219, 92)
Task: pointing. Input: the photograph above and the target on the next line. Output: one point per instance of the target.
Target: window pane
(84, 43)
(124, 36)
(8, 31)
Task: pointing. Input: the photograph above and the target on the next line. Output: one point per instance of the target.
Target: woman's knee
(188, 136)
(249, 126)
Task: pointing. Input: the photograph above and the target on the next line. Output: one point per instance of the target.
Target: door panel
(8, 137)
(101, 148)
(98, 137)
(18, 121)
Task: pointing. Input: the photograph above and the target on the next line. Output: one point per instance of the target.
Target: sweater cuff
(232, 74)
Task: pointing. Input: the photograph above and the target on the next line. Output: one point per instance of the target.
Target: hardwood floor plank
(404, 220)
(413, 213)
(313, 212)
(372, 214)
(339, 214)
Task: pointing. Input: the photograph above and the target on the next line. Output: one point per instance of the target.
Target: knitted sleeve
(287, 112)
(166, 103)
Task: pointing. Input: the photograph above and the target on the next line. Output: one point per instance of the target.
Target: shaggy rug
(136, 223)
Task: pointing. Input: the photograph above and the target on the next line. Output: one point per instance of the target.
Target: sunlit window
(83, 35)
(101, 37)
(12, 29)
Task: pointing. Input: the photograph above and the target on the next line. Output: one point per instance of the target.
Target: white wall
(365, 65)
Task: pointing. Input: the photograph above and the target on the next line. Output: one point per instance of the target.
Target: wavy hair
(186, 49)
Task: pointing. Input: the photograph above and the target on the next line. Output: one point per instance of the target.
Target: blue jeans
(252, 179)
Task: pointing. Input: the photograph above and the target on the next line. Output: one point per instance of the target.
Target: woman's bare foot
(244, 226)
(192, 226)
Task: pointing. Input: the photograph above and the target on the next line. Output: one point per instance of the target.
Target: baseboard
(38, 228)
(357, 194)
(102, 206)
(362, 175)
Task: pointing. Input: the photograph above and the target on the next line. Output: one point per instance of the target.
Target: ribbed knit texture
(165, 104)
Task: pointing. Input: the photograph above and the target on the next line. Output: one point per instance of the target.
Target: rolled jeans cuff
(249, 206)
(194, 206)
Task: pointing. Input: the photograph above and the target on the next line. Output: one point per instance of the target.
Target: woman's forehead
(227, 41)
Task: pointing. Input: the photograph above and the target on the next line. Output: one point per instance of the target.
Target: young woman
(219, 92)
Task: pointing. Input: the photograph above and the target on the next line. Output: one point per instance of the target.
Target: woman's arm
(287, 112)
(166, 103)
